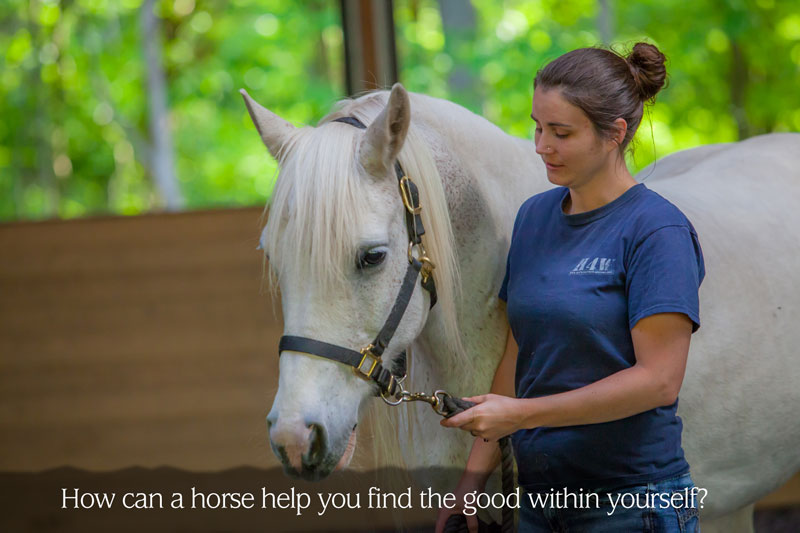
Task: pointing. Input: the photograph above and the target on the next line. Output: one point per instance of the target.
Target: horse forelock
(315, 205)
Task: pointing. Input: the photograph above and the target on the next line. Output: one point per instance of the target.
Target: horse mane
(312, 215)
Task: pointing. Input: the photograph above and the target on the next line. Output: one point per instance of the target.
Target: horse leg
(739, 521)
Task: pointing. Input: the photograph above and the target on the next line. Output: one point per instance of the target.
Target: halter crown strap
(353, 121)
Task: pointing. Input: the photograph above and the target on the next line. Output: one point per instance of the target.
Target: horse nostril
(280, 451)
(316, 444)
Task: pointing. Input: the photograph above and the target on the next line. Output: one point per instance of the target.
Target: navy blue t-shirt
(576, 285)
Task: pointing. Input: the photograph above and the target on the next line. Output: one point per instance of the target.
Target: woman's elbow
(668, 390)
(661, 388)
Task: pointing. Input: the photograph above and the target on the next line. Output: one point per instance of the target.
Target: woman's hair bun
(646, 63)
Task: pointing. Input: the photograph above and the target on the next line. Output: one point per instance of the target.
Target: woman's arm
(661, 345)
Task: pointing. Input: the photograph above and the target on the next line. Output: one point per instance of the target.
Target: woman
(601, 288)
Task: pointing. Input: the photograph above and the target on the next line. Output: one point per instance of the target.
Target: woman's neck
(598, 191)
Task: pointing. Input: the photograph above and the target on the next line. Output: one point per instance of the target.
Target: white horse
(337, 201)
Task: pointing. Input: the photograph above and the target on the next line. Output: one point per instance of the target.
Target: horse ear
(385, 136)
(272, 128)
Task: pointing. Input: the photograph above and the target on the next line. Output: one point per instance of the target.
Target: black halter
(367, 362)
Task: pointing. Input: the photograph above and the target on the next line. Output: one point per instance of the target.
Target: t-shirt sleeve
(664, 275)
(503, 294)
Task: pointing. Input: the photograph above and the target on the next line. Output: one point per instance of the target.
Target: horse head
(337, 243)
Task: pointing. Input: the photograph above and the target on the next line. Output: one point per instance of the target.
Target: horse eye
(371, 258)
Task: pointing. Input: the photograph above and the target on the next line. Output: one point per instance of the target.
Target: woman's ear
(621, 129)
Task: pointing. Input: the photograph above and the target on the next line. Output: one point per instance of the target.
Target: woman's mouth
(551, 166)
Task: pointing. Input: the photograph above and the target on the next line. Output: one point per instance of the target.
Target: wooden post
(370, 56)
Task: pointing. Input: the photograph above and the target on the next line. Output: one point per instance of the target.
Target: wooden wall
(135, 341)
(141, 341)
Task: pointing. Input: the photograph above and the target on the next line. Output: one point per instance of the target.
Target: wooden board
(136, 341)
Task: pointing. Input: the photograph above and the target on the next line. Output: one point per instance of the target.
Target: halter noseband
(367, 363)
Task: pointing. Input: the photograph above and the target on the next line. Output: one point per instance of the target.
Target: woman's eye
(371, 258)
(561, 135)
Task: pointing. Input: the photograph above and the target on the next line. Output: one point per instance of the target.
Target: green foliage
(74, 136)
(734, 65)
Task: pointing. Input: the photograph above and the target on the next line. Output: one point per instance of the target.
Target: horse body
(740, 394)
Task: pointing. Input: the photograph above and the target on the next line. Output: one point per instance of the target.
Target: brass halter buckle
(408, 201)
(427, 267)
(427, 264)
(369, 362)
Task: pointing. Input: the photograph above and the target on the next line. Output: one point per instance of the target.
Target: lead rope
(458, 523)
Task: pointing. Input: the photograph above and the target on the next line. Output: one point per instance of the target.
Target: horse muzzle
(305, 450)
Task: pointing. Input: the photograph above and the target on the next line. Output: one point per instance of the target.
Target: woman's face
(567, 141)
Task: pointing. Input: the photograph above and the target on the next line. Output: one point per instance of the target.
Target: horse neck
(486, 175)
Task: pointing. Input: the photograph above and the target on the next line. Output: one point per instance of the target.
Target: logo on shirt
(596, 265)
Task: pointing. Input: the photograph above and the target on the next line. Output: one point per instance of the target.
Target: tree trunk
(605, 22)
(738, 81)
(161, 154)
(458, 24)
(41, 126)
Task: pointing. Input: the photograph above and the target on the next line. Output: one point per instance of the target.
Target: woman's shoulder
(661, 228)
(654, 212)
(546, 198)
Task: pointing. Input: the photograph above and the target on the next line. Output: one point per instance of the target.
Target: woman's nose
(542, 147)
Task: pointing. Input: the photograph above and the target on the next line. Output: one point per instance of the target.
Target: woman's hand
(493, 417)
(464, 486)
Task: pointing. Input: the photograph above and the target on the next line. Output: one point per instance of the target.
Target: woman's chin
(554, 177)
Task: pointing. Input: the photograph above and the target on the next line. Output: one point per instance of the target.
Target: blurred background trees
(86, 130)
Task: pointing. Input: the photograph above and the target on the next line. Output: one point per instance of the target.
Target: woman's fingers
(465, 418)
(476, 399)
(460, 420)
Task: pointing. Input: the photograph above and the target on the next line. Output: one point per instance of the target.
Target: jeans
(667, 506)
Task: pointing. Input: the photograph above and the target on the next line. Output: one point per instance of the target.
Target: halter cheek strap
(367, 363)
